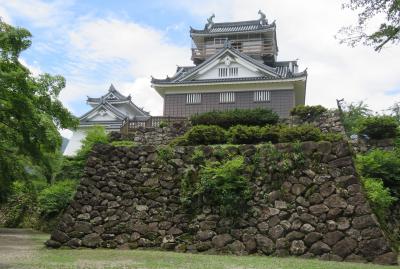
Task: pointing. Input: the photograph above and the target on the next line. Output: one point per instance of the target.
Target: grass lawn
(40, 257)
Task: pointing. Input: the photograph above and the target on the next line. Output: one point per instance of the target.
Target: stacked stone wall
(153, 135)
(128, 198)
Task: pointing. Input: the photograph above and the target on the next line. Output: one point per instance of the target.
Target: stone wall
(153, 135)
(327, 122)
(130, 198)
(361, 145)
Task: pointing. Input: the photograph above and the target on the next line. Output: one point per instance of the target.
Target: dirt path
(17, 245)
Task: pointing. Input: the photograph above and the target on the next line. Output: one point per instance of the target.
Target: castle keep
(235, 66)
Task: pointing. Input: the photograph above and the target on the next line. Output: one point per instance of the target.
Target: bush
(179, 141)
(165, 153)
(270, 133)
(226, 119)
(71, 168)
(379, 196)
(96, 134)
(206, 135)
(352, 115)
(379, 127)
(308, 113)
(218, 184)
(20, 205)
(299, 133)
(241, 134)
(381, 164)
(55, 198)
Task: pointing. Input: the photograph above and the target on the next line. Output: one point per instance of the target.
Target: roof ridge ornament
(263, 20)
(210, 22)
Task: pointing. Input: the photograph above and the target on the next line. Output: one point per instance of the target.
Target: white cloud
(123, 53)
(145, 49)
(40, 13)
(5, 16)
(144, 96)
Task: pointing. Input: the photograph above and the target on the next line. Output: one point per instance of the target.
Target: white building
(109, 111)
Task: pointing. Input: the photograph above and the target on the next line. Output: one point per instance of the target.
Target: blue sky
(95, 43)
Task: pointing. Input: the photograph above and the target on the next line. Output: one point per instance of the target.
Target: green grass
(146, 259)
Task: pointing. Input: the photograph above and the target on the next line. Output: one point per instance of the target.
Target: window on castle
(226, 97)
(220, 41)
(262, 96)
(228, 72)
(233, 71)
(193, 98)
(222, 72)
(237, 45)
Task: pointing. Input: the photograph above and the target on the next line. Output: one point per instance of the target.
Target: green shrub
(55, 198)
(379, 196)
(20, 205)
(229, 118)
(179, 141)
(299, 133)
(332, 137)
(219, 185)
(308, 113)
(206, 135)
(270, 133)
(381, 164)
(379, 127)
(163, 124)
(96, 134)
(352, 114)
(123, 143)
(71, 168)
(165, 153)
(198, 156)
(241, 134)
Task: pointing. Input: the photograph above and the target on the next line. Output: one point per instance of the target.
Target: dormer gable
(229, 63)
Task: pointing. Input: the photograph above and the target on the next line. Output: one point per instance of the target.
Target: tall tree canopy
(387, 11)
(29, 112)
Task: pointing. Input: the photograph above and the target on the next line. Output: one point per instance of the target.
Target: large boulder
(265, 244)
(221, 240)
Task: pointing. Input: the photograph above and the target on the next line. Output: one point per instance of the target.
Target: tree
(388, 31)
(395, 111)
(352, 116)
(30, 112)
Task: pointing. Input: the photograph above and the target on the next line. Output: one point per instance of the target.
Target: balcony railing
(259, 47)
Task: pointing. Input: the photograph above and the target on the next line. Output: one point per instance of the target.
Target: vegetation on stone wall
(220, 184)
(226, 119)
(379, 127)
(242, 134)
(223, 179)
(308, 113)
(379, 196)
(384, 165)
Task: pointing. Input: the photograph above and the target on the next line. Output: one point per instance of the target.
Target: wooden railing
(156, 121)
(247, 46)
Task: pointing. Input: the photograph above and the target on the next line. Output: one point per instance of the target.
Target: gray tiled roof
(120, 98)
(234, 27)
(266, 78)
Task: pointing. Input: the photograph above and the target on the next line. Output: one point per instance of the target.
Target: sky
(96, 43)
